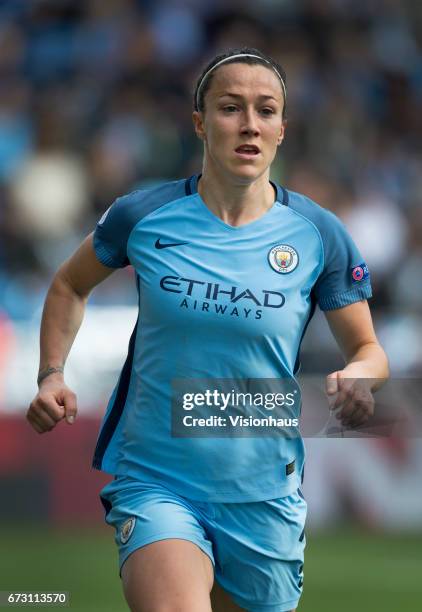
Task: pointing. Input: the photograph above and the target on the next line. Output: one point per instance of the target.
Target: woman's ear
(198, 123)
(281, 135)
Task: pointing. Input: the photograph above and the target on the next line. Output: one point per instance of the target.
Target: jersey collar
(191, 187)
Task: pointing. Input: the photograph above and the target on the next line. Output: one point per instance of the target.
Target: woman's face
(242, 124)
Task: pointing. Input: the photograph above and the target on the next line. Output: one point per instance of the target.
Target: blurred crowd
(96, 100)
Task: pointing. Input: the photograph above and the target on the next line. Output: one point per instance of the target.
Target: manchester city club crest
(283, 258)
(127, 529)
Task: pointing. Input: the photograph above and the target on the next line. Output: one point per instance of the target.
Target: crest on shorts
(283, 258)
(127, 529)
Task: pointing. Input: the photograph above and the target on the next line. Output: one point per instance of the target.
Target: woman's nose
(250, 124)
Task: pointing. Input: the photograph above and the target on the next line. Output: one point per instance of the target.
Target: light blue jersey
(216, 301)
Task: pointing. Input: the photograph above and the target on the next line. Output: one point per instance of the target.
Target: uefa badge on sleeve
(283, 258)
(127, 529)
(360, 273)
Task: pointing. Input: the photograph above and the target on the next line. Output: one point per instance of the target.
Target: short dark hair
(203, 84)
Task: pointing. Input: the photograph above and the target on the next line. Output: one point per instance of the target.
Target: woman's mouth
(247, 151)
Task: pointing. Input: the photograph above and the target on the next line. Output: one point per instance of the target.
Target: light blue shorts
(256, 548)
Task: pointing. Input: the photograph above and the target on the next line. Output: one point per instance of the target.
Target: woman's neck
(236, 203)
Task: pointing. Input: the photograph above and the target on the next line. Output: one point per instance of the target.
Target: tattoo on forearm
(47, 371)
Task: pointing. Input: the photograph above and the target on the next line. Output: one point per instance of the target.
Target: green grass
(345, 571)
(84, 563)
(355, 571)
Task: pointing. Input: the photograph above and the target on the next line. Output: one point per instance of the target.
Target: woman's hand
(53, 402)
(350, 397)
(350, 390)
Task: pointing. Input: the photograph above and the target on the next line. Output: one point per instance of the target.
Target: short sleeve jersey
(216, 301)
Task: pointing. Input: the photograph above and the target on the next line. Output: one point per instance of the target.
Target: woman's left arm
(366, 366)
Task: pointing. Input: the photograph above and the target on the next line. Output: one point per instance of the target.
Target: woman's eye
(267, 111)
(230, 109)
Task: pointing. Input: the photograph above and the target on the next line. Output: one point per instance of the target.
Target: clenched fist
(53, 402)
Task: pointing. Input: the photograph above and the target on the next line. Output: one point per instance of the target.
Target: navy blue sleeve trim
(104, 256)
(339, 300)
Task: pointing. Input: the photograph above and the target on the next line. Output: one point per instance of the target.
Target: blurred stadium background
(95, 102)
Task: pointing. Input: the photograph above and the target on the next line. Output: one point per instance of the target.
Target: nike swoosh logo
(160, 245)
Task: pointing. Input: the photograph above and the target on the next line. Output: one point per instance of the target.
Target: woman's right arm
(62, 316)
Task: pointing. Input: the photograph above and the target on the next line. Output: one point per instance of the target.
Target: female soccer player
(229, 268)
